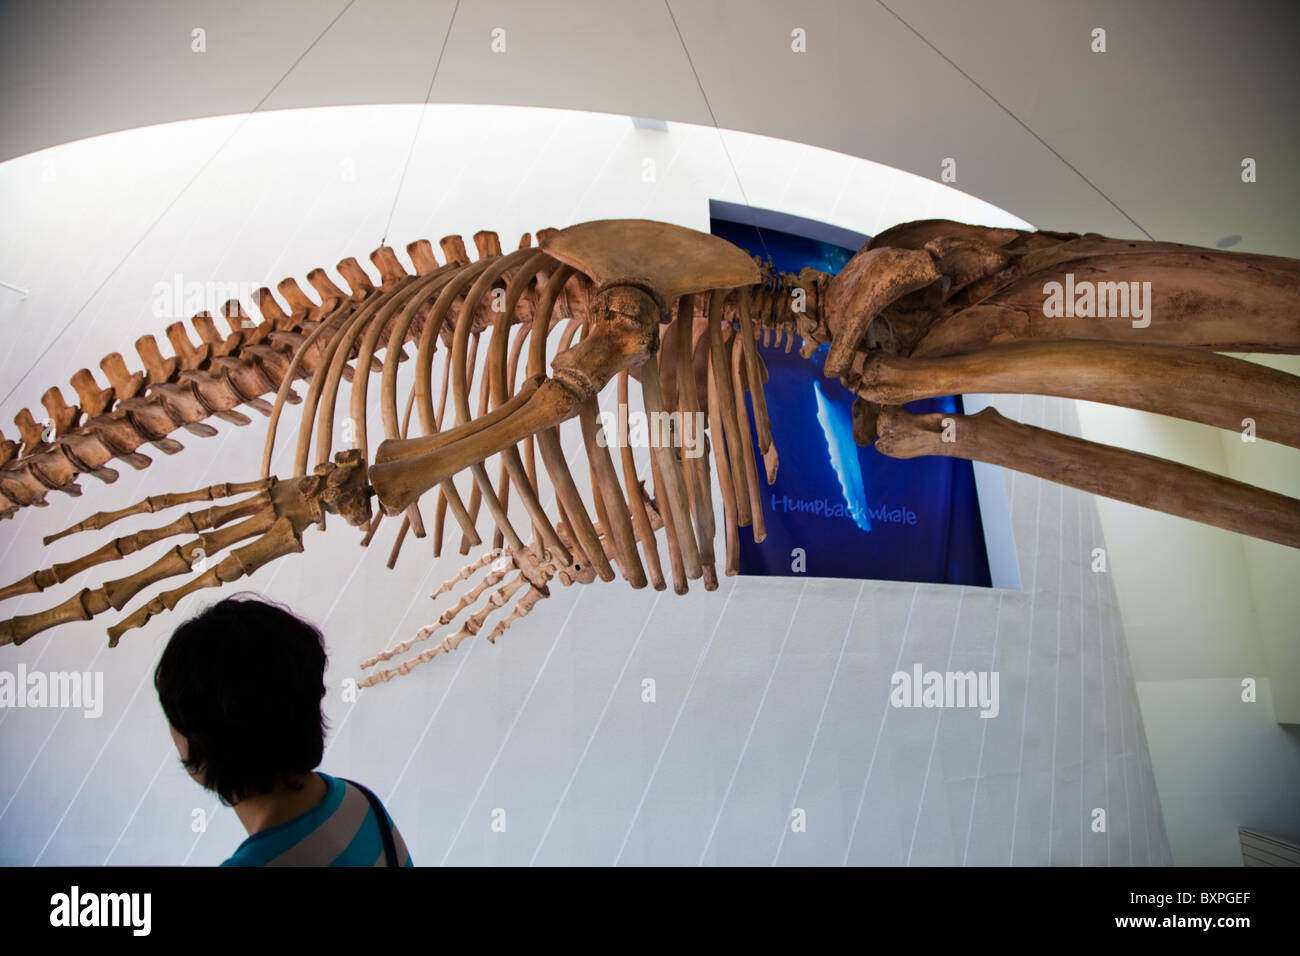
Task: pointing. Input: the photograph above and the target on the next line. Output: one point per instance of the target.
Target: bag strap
(385, 833)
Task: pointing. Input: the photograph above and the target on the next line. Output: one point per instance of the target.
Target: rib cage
(452, 304)
(221, 373)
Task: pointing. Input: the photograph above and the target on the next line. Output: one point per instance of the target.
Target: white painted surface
(1205, 610)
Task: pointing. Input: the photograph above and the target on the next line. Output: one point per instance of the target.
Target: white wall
(1205, 609)
(1274, 570)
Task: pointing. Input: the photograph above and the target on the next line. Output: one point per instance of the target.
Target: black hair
(243, 682)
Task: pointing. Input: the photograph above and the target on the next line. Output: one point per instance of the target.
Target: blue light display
(851, 512)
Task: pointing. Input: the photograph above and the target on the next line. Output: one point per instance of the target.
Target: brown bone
(869, 281)
(1202, 298)
(1100, 469)
(1184, 383)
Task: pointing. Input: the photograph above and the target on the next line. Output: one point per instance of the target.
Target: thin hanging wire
(1023, 125)
(721, 140)
(175, 199)
(419, 123)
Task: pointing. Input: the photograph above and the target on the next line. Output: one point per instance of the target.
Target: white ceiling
(1146, 137)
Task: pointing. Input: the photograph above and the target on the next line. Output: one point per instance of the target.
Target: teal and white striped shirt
(339, 831)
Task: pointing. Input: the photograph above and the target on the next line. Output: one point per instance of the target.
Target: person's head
(241, 685)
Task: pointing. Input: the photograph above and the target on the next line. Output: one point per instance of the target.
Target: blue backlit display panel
(837, 509)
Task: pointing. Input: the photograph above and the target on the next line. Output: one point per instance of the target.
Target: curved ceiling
(1145, 138)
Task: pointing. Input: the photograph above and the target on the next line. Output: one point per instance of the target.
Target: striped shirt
(339, 831)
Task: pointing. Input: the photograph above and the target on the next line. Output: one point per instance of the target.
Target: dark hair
(243, 682)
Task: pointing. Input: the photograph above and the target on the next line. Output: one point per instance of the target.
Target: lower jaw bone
(1128, 476)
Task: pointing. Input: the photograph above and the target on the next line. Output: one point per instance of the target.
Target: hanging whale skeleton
(925, 309)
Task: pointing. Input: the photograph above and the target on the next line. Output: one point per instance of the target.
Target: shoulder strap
(385, 833)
